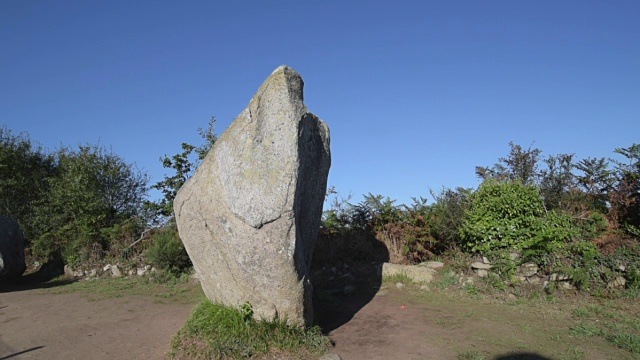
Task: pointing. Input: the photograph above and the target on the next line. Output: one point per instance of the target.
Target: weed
(397, 278)
(585, 329)
(573, 354)
(246, 310)
(471, 289)
(495, 281)
(471, 355)
(448, 279)
(623, 340)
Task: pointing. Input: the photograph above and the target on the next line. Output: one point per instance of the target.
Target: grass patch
(585, 329)
(610, 323)
(163, 287)
(471, 355)
(397, 278)
(448, 278)
(625, 340)
(220, 332)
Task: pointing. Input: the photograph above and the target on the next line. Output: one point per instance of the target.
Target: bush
(447, 215)
(168, 252)
(501, 215)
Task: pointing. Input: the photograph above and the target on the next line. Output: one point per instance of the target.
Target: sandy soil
(379, 321)
(36, 324)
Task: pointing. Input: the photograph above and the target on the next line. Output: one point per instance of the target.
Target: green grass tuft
(220, 332)
(397, 278)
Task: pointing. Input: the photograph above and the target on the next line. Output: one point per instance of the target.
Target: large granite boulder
(12, 263)
(250, 215)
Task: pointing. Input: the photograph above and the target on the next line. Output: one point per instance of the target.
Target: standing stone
(250, 215)
(12, 263)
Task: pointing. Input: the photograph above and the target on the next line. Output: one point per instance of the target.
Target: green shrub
(447, 214)
(501, 215)
(168, 252)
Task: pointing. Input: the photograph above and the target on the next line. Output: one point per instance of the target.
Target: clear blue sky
(416, 93)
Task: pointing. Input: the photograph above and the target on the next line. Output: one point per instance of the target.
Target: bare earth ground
(383, 323)
(35, 324)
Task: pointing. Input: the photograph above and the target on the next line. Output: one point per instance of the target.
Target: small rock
(533, 280)
(479, 265)
(115, 271)
(512, 297)
(399, 285)
(618, 282)
(514, 256)
(330, 357)
(469, 281)
(69, 272)
(93, 273)
(566, 285)
(482, 272)
(425, 288)
(545, 283)
(528, 269)
(130, 272)
(559, 277)
(622, 268)
(141, 271)
(106, 267)
(348, 276)
(349, 289)
(435, 265)
(485, 260)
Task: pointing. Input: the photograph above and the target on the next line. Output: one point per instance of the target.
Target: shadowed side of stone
(250, 215)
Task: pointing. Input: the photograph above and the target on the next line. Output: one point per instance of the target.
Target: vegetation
(575, 218)
(214, 331)
(87, 205)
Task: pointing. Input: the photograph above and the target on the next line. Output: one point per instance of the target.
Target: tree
(557, 180)
(596, 181)
(521, 165)
(24, 170)
(183, 164)
(625, 196)
(91, 190)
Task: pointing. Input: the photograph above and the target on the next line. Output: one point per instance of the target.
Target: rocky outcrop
(250, 215)
(12, 263)
(417, 274)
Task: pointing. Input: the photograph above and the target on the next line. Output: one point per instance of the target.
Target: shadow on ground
(337, 300)
(345, 274)
(40, 279)
(16, 354)
(521, 356)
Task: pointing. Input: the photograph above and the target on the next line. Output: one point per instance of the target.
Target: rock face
(12, 263)
(250, 215)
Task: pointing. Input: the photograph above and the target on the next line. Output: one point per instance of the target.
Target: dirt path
(384, 323)
(36, 324)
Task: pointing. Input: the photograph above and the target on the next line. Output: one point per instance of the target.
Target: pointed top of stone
(282, 68)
